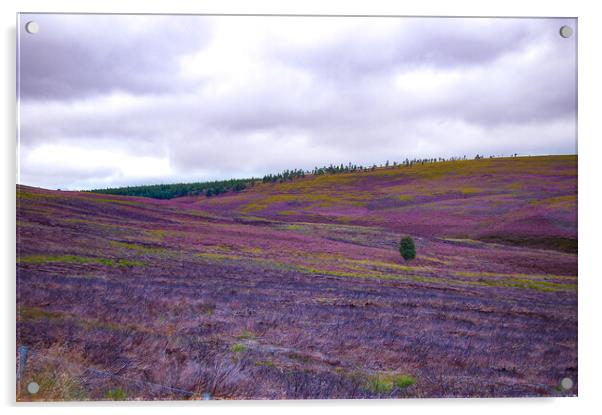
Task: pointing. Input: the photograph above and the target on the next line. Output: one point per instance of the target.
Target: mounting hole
(32, 27)
(33, 387)
(566, 383)
(566, 31)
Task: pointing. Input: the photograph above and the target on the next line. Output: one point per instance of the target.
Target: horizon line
(253, 178)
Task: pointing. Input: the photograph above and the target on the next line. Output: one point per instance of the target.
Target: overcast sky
(122, 100)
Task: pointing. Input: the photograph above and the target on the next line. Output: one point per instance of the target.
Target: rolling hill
(297, 289)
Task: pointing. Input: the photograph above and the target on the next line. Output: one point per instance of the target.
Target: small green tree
(407, 249)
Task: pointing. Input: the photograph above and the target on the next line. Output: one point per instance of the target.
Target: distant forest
(214, 188)
(170, 191)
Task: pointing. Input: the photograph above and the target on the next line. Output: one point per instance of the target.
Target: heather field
(297, 290)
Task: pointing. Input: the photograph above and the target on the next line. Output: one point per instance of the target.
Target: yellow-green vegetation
(469, 190)
(295, 227)
(37, 314)
(116, 201)
(55, 385)
(530, 284)
(389, 265)
(253, 250)
(308, 199)
(320, 182)
(158, 234)
(116, 394)
(267, 363)
(74, 259)
(434, 260)
(32, 313)
(384, 383)
(404, 381)
(373, 269)
(162, 234)
(30, 195)
(502, 275)
(200, 213)
(238, 348)
(507, 282)
(503, 283)
(246, 335)
(139, 248)
(567, 200)
(217, 257)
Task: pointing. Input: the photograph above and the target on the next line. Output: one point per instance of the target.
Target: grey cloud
(415, 42)
(515, 92)
(78, 55)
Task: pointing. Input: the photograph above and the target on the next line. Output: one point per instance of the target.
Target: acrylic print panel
(273, 207)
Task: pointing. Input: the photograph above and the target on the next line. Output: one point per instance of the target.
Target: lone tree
(407, 249)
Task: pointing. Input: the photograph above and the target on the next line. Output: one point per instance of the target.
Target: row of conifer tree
(214, 188)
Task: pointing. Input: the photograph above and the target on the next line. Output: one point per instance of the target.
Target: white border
(590, 153)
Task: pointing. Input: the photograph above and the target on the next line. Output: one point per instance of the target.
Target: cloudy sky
(122, 100)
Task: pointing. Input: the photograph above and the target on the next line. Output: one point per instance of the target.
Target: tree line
(284, 176)
(214, 188)
(288, 175)
(170, 191)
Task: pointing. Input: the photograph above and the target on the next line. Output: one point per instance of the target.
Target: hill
(528, 201)
(297, 289)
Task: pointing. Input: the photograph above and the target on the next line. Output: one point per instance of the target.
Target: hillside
(525, 200)
(297, 289)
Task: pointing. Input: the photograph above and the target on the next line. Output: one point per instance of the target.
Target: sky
(109, 100)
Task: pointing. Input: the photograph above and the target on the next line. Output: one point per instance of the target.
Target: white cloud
(260, 94)
(46, 161)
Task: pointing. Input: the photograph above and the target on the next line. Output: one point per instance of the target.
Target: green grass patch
(74, 259)
(404, 381)
(386, 383)
(33, 196)
(469, 190)
(545, 286)
(115, 201)
(128, 263)
(32, 313)
(238, 348)
(267, 363)
(116, 394)
(295, 227)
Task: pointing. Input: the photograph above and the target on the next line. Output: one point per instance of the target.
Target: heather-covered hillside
(298, 289)
(523, 200)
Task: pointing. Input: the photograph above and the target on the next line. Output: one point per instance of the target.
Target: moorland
(296, 289)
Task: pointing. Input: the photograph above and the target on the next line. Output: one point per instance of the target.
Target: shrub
(407, 249)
